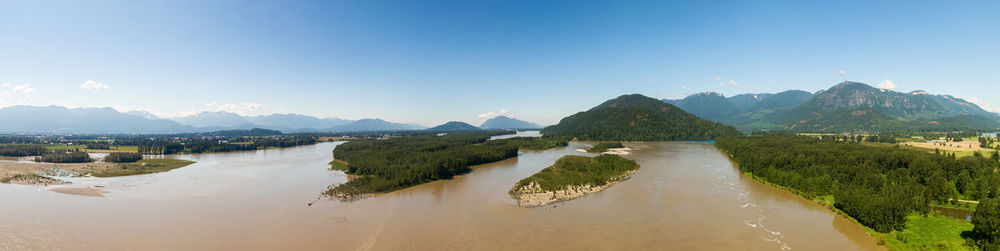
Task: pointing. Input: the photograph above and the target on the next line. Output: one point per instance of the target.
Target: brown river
(685, 196)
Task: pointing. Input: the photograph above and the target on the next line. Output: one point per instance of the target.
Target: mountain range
(847, 106)
(57, 119)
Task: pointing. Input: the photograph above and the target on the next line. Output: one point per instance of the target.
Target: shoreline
(879, 237)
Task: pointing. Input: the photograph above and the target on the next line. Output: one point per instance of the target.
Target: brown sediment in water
(83, 191)
(685, 197)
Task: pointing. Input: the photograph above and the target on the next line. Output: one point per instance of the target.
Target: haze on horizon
(432, 62)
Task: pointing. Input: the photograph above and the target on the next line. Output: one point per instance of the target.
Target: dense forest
(21, 150)
(119, 157)
(637, 118)
(394, 163)
(64, 157)
(570, 171)
(876, 185)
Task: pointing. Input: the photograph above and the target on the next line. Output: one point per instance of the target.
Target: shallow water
(685, 196)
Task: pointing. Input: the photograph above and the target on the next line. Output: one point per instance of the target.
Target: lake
(685, 196)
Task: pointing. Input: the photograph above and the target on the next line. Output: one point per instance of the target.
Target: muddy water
(686, 196)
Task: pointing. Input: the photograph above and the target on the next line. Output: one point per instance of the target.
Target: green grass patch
(338, 165)
(145, 166)
(932, 232)
(604, 146)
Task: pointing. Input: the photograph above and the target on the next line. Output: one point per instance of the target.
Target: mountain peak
(631, 101)
(504, 122)
(708, 94)
(454, 126)
(851, 85)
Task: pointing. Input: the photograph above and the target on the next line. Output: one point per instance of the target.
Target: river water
(685, 196)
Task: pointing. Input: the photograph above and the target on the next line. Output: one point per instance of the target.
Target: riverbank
(922, 232)
(572, 177)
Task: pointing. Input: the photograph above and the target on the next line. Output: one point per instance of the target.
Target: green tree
(986, 221)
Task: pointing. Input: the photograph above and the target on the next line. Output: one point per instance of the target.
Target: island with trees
(604, 146)
(389, 164)
(572, 177)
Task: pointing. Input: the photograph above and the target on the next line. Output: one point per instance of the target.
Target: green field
(338, 165)
(932, 232)
(145, 166)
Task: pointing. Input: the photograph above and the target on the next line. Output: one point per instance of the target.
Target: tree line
(121, 157)
(65, 157)
(22, 150)
(207, 145)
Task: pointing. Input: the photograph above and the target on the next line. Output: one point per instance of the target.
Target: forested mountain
(745, 101)
(57, 119)
(848, 106)
(374, 125)
(504, 122)
(637, 118)
(709, 105)
(454, 126)
(852, 106)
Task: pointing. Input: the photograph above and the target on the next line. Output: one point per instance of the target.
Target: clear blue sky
(430, 62)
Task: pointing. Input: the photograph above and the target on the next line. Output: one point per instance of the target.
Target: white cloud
(244, 108)
(842, 72)
(887, 85)
(980, 103)
(15, 90)
(211, 103)
(94, 85)
(730, 83)
(723, 82)
(489, 115)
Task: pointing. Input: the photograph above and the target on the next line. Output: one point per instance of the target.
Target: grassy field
(145, 166)
(958, 154)
(932, 232)
(338, 165)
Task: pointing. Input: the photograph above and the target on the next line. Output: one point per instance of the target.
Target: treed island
(572, 177)
(394, 163)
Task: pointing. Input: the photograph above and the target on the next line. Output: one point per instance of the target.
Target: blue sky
(434, 61)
